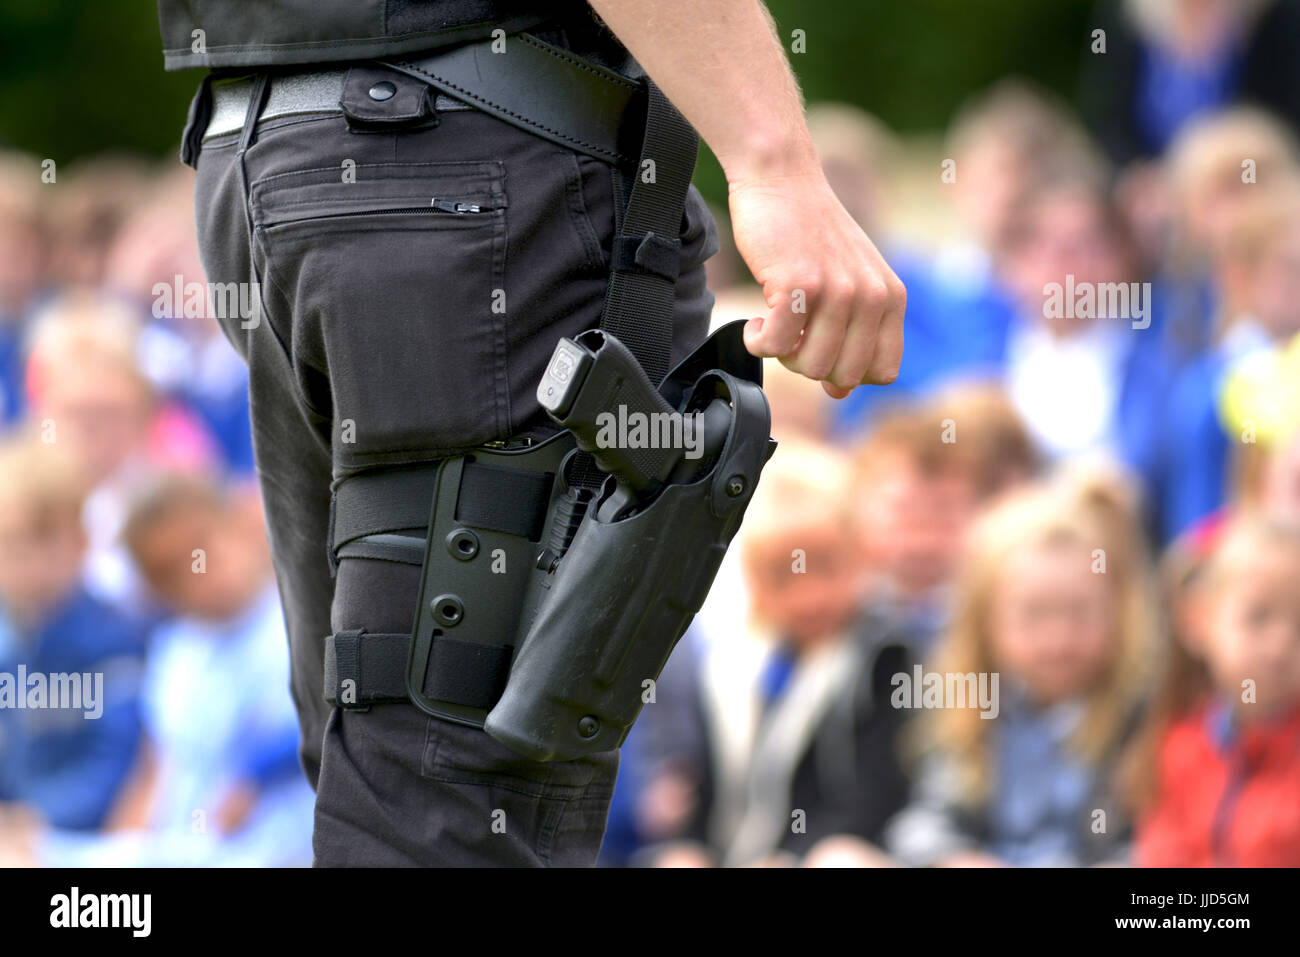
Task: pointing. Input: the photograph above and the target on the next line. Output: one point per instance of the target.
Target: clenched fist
(835, 307)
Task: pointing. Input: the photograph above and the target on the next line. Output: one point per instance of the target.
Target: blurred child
(91, 200)
(1052, 600)
(185, 355)
(1002, 143)
(1217, 772)
(88, 393)
(1257, 270)
(987, 435)
(913, 498)
(800, 732)
(220, 783)
(1216, 165)
(1088, 380)
(1169, 61)
(68, 759)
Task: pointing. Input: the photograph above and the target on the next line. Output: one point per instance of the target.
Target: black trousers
(393, 332)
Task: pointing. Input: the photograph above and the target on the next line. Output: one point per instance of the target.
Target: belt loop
(196, 122)
(255, 103)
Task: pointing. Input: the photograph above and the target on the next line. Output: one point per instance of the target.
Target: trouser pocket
(384, 282)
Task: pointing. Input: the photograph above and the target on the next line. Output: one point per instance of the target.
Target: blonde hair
(1264, 216)
(1210, 150)
(1035, 124)
(1093, 512)
(804, 485)
(86, 325)
(40, 479)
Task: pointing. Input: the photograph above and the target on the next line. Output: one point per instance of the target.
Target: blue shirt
(1039, 805)
(65, 761)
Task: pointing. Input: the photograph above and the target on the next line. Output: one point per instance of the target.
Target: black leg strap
(372, 509)
(362, 669)
(383, 515)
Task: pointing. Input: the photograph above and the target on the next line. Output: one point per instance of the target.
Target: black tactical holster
(558, 575)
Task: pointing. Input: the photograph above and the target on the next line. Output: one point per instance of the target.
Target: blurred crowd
(145, 718)
(1033, 604)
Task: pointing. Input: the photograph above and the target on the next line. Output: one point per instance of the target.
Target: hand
(836, 308)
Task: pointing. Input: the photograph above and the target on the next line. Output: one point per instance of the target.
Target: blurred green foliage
(81, 76)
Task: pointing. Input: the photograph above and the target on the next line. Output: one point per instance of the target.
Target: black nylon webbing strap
(504, 500)
(642, 286)
(399, 499)
(362, 669)
(383, 500)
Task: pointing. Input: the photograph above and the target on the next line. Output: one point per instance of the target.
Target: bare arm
(835, 306)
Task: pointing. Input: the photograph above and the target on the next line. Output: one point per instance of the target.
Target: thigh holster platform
(558, 577)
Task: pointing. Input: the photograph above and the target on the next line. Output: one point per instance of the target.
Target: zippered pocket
(447, 190)
(438, 206)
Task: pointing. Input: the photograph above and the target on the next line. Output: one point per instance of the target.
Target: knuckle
(884, 370)
(840, 289)
(810, 280)
(897, 293)
(877, 292)
(843, 380)
(819, 368)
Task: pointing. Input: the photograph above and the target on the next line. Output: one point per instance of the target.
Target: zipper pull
(452, 206)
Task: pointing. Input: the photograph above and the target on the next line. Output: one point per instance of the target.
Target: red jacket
(1227, 798)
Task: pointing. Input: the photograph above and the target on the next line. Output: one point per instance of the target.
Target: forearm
(721, 64)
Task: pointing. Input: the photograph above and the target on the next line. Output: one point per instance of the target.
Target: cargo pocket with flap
(382, 282)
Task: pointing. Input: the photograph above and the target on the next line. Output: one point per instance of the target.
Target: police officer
(415, 260)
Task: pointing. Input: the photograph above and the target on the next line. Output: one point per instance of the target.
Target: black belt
(535, 86)
(544, 89)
